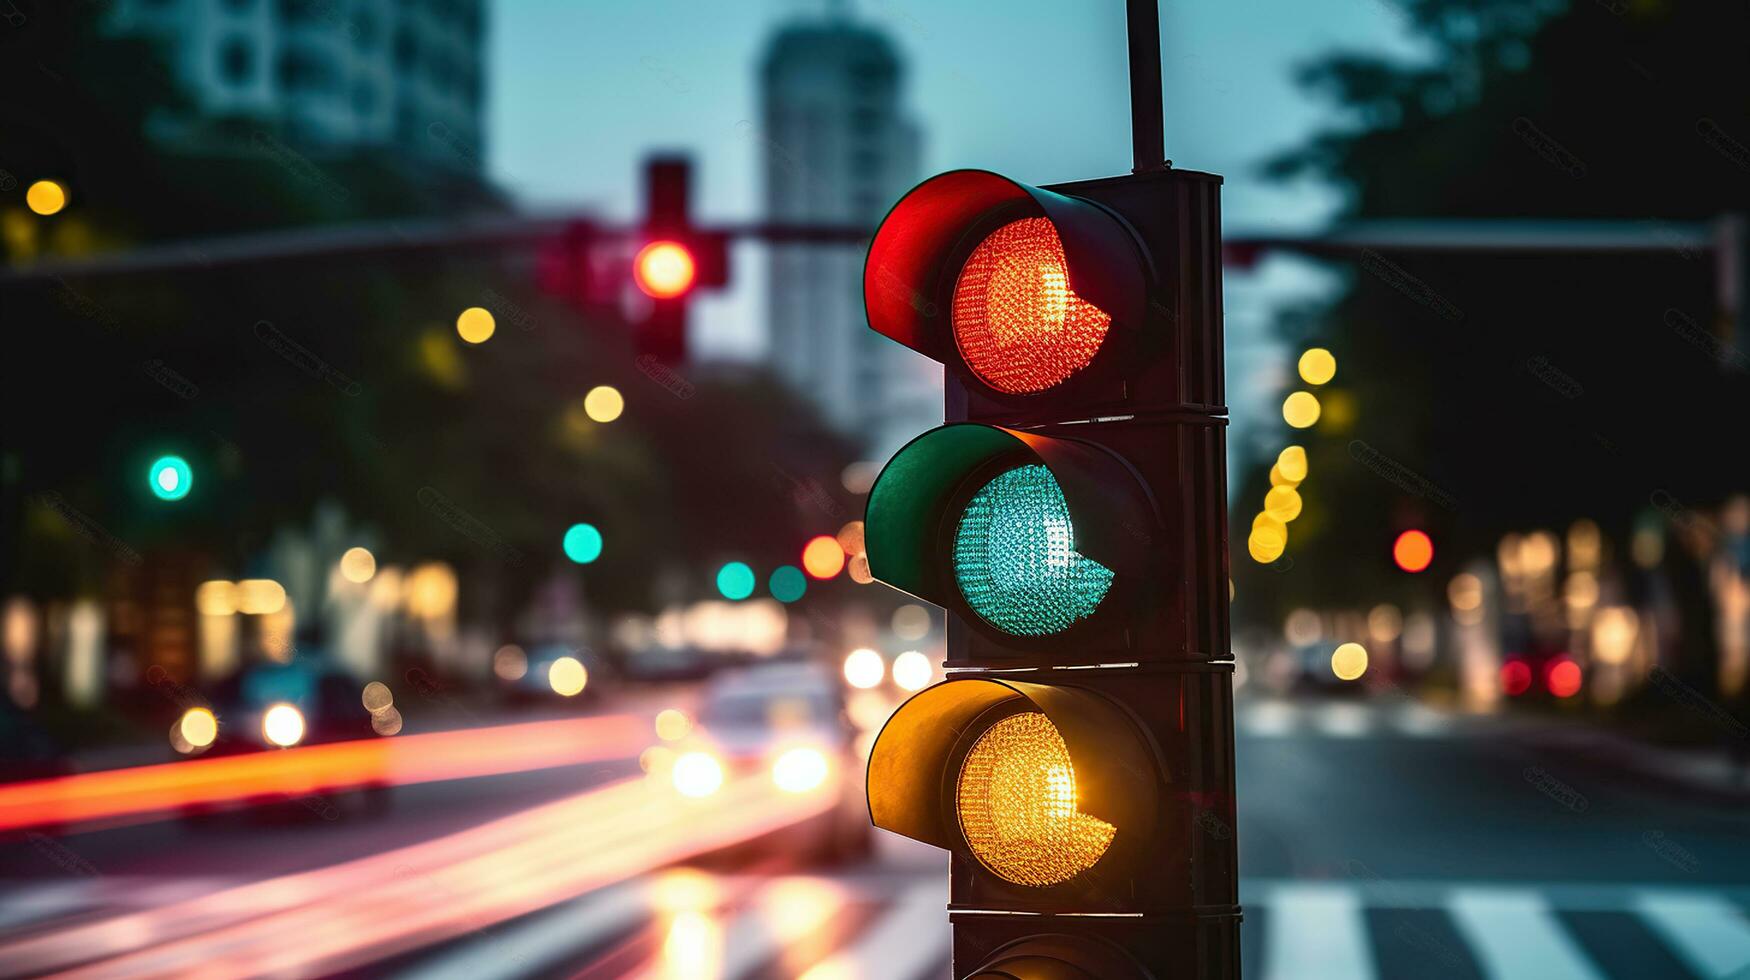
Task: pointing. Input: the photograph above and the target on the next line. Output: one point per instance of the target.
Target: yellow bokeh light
(697, 774)
(672, 724)
(358, 565)
(567, 676)
(46, 197)
(1349, 661)
(1265, 545)
(1291, 463)
(283, 725)
(198, 727)
(1300, 409)
(1317, 366)
(864, 668)
(216, 598)
(476, 325)
(604, 403)
(1282, 503)
(800, 770)
(260, 596)
(1465, 592)
(1016, 800)
(913, 671)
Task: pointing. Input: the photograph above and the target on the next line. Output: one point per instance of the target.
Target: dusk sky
(1032, 89)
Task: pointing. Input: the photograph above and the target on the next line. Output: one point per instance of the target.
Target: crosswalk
(880, 922)
(1268, 718)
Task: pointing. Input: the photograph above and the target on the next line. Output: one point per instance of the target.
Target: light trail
(358, 912)
(135, 793)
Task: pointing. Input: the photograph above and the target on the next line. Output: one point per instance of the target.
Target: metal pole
(1147, 133)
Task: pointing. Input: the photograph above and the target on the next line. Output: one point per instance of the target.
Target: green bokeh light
(170, 477)
(1014, 558)
(735, 580)
(583, 543)
(787, 584)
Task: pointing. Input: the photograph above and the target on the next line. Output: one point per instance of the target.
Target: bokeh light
(1563, 678)
(1515, 677)
(787, 583)
(663, 269)
(376, 697)
(1349, 661)
(604, 403)
(864, 668)
(673, 724)
(912, 671)
(735, 581)
(46, 197)
(697, 774)
(358, 565)
(170, 477)
(198, 727)
(567, 676)
(800, 770)
(283, 725)
(822, 557)
(386, 722)
(476, 325)
(260, 596)
(583, 543)
(510, 663)
(1317, 366)
(1300, 409)
(1413, 551)
(911, 622)
(1291, 463)
(1282, 503)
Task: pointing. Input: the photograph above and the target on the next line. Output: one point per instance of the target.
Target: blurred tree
(1477, 395)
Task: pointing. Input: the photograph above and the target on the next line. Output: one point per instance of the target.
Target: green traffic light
(787, 583)
(170, 478)
(583, 543)
(735, 580)
(1014, 556)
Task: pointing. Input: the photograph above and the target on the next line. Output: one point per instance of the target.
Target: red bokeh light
(1515, 677)
(1562, 678)
(1413, 551)
(1019, 326)
(822, 557)
(664, 269)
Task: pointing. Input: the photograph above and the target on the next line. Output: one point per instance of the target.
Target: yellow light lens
(283, 725)
(800, 770)
(1016, 800)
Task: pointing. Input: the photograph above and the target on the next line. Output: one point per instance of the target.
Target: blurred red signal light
(664, 269)
(1413, 551)
(1017, 322)
(1562, 678)
(1515, 678)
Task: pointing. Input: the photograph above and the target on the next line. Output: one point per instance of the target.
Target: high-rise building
(334, 74)
(838, 149)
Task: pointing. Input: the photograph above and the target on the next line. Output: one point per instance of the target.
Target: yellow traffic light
(1016, 800)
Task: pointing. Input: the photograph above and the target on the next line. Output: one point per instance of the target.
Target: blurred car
(787, 720)
(272, 706)
(552, 672)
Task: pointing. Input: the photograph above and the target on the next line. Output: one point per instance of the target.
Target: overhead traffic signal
(1077, 765)
(673, 258)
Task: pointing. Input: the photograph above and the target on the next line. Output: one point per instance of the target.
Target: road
(1378, 839)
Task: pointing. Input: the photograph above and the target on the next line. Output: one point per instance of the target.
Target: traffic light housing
(1077, 764)
(672, 258)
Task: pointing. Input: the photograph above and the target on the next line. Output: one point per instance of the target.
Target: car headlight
(697, 774)
(283, 725)
(800, 770)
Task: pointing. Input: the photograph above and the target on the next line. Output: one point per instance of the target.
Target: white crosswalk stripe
(1514, 935)
(1712, 936)
(1315, 931)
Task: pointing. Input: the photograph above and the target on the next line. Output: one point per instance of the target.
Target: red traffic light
(664, 269)
(1018, 289)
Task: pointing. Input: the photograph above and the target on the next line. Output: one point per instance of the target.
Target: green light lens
(1015, 561)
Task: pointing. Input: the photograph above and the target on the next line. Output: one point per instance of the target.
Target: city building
(838, 149)
(333, 74)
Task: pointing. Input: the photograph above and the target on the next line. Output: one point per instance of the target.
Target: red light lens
(1563, 678)
(663, 270)
(1019, 326)
(1515, 677)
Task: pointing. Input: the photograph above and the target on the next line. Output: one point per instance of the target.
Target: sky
(582, 90)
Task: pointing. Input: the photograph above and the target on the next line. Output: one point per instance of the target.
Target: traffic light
(1070, 515)
(673, 258)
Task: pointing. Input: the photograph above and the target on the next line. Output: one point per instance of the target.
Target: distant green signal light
(735, 581)
(583, 543)
(787, 584)
(1015, 560)
(170, 478)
